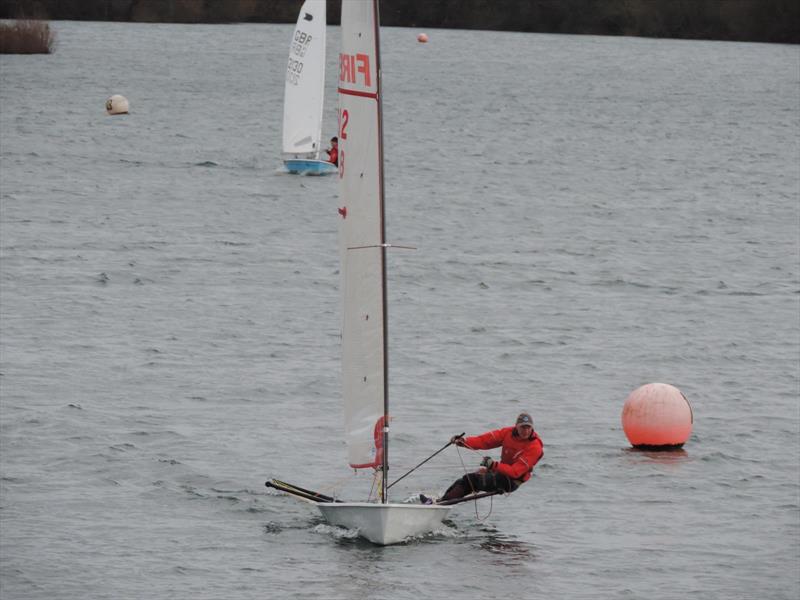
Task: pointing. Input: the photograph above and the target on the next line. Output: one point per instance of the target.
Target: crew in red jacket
(522, 449)
(333, 152)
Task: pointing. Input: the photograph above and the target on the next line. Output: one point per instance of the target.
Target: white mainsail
(305, 83)
(363, 275)
(361, 236)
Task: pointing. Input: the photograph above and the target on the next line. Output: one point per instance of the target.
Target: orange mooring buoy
(422, 38)
(657, 416)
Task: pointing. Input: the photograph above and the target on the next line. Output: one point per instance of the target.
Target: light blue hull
(304, 166)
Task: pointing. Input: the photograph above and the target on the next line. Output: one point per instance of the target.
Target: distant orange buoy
(422, 38)
(657, 416)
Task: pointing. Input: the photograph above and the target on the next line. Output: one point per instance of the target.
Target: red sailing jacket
(518, 455)
(333, 156)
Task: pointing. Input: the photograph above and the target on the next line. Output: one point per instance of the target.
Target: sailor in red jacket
(333, 152)
(522, 449)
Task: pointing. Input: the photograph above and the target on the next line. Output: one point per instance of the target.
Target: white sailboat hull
(384, 524)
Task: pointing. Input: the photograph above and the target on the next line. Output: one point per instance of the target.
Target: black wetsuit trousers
(480, 482)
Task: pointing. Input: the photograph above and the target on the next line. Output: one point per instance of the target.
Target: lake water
(591, 214)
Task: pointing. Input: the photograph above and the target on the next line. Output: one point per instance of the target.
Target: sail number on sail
(344, 117)
(301, 42)
(353, 69)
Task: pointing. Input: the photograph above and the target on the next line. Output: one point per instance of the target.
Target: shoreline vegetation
(26, 36)
(772, 21)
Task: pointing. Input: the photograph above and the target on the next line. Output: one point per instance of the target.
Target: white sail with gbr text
(304, 86)
(361, 236)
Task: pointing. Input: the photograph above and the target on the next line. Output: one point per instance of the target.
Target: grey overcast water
(591, 214)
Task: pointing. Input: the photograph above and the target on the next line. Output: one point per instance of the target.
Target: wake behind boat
(304, 91)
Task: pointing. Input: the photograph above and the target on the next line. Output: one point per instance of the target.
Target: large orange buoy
(422, 38)
(657, 416)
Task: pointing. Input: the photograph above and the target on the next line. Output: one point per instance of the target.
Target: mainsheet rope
(376, 478)
(474, 491)
(336, 485)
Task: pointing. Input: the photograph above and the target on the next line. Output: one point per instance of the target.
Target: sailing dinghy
(363, 274)
(304, 92)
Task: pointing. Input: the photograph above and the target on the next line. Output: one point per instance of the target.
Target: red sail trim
(367, 465)
(377, 436)
(373, 95)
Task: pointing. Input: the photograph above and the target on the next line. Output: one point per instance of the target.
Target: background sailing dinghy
(363, 260)
(304, 92)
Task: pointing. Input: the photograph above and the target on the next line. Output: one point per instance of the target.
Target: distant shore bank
(774, 21)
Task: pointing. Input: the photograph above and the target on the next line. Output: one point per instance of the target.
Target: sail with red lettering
(361, 238)
(363, 280)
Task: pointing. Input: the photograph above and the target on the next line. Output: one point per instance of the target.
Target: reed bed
(26, 36)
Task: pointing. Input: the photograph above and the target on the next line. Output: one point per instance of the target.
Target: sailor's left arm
(513, 471)
(523, 464)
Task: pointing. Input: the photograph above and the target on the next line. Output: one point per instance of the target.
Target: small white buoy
(422, 38)
(657, 416)
(117, 105)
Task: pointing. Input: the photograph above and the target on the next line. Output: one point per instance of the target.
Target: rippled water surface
(591, 214)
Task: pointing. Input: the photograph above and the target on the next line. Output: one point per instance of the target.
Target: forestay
(305, 82)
